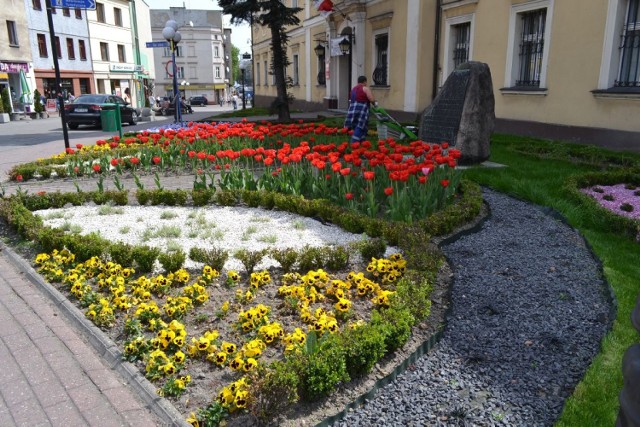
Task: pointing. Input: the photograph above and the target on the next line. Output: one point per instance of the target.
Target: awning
(25, 92)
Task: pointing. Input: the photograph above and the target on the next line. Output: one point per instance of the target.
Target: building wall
(73, 69)
(14, 58)
(205, 46)
(575, 41)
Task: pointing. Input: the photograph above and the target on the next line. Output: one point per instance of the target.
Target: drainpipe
(436, 49)
(141, 98)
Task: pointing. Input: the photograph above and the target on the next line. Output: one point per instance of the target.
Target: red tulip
(388, 191)
(444, 183)
(96, 168)
(349, 196)
(156, 160)
(19, 178)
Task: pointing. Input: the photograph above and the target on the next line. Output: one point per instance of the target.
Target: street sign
(157, 44)
(77, 4)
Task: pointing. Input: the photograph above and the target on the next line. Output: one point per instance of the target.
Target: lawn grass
(536, 171)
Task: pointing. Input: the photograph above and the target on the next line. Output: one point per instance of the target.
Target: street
(24, 141)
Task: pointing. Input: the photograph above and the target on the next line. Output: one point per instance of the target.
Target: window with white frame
(180, 72)
(216, 52)
(528, 46)
(296, 69)
(458, 42)
(217, 72)
(381, 67)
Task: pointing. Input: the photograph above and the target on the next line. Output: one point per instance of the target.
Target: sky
(240, 34)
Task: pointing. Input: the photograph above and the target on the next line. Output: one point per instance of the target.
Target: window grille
(461, 46)
(322, 77)
(381, 70)
(630, 48)
(531, 48)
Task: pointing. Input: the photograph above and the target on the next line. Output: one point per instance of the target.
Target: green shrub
(336, 259)
(396, 326)
(267, 199)
(172, 261)
(6, 102)
(250, 259)
(414, 296)
(272, 390)
(322, 370)
(364, 346)
(372, 248)
(25, 223)
(310, 258)
(251, 198)
(201, 197)
(286, 257)
(86, 247)
(119, 198)
(51, 238)
(37, 102)
(170, 198)
(100, 197)
(145, 257)
(143, 196)
(214, 257)
(226, 198)
(122, 253)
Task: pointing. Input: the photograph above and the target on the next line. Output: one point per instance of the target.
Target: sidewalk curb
(107, 349)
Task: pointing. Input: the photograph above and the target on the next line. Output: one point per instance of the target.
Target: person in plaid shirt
(358, 114)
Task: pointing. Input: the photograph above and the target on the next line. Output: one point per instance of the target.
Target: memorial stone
(463, 113)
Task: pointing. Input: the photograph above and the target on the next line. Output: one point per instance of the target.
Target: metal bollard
(629, 414)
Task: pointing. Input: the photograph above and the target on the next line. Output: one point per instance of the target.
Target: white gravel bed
(229, 228)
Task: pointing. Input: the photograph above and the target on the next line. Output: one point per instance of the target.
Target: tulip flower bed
(385, 178)
(259, 340)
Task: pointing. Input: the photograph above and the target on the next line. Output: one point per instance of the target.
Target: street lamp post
(346, 49)
(246, 57)
(172, 35)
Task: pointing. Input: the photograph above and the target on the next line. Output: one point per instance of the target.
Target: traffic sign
(77, 4)
(157, 44)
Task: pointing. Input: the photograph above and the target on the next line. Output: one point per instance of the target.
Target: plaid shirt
(358, 117)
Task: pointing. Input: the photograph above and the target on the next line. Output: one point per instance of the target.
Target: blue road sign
(157, 44)
(78, 4)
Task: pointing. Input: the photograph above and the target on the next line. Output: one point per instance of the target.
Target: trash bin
(108, 120)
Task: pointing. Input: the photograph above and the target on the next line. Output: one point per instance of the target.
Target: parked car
(198, 100)
(85, 110)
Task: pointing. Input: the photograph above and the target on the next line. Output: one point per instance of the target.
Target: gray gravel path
(529, 309)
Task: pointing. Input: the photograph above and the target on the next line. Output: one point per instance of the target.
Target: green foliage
(250, 259)
(286, 257)
(364, 346)
(6, 102)
(322, 370)
(310, 258)
(395, 324)
(51, 238)
(172, 261)
(37, 102)
(272, 390)
(372, 248)
(212, 415)
(122, 253)
(214, 257)
(226, 198)
(25, 223)
(337, 258)
(251, 198)
(202, 197)
(414, 296)
(143, 196)
(145, 257)
(85, 247)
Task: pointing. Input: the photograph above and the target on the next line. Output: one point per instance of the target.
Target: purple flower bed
(613, 197)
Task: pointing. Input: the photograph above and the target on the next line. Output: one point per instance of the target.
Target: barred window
(380, 73)
(629, 75)
(462, 34)
(322, 75)
(531, 47)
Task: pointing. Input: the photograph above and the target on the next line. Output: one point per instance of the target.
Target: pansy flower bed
(258, 340)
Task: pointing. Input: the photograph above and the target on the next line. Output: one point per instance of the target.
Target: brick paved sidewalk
(50, 375)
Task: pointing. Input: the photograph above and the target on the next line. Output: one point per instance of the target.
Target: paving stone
(29, 413)
(51, 393)
(65, 414)
(16, 392)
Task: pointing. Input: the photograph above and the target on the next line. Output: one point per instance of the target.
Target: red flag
(325, 7)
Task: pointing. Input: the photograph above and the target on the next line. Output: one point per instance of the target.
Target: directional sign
(78, 4)
(157, 44)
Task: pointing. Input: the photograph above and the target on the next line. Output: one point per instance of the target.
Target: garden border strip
(423, 348)
(107, 349)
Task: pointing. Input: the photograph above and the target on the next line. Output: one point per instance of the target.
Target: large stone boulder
(463, 113)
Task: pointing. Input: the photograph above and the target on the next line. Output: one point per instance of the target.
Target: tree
(277, 17)
(235, 64)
